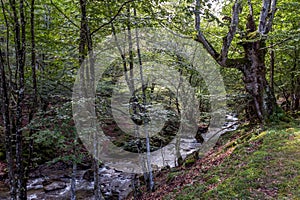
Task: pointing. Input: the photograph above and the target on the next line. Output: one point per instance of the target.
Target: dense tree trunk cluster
(13, 118)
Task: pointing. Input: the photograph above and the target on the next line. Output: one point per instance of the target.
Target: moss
(189, 162)
(191, 192)
(172, 175)
(2, 156)
(214, 179)
(264, 165)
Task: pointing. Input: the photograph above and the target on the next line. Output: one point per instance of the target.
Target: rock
(189, 162)
(201, 130)
(57, 185)
(180, 161)
(88, 175)
(191, 159)
(85, 194)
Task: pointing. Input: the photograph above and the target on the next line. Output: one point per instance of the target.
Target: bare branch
(236, 9)
(278, 43)
(250, 8)
(112, 18)
(175, 33)
(68, 18)
(223, 60)
(201, 38)
(271, 16)
(263, 16)
(197, 16)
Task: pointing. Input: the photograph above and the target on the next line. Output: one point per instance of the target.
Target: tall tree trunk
(6, 111)
(256, 85)
(20, 33)
(295, 81)
(73, 178)
(144, 111)
(86, 49)
(34, 85)
(134, 104)
(7, 126)
(272, 68)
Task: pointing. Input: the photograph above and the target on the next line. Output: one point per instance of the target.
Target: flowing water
(54, 181)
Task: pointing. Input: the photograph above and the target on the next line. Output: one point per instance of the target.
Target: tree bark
(86, 52)
(20, 38)
(256, 85)
(252, 65)
(6, 111)
(295, 81)
(34, 85)
(272, 67)
(7, 126)
(144, 87)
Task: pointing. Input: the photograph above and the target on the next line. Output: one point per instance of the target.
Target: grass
(262, 165)
(249, 163)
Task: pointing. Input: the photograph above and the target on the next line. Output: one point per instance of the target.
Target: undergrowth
(263, 165)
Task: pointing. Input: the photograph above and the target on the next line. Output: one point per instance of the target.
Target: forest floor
(248, 163)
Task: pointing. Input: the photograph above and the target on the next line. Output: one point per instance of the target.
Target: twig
(174, 33)
(278, 43)
(113, 18)
(59, 10)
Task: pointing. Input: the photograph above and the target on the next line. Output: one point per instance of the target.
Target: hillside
(246, 164)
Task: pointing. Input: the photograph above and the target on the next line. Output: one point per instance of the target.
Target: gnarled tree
(252, 64)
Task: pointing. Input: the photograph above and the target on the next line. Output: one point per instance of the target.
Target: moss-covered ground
(249, 163)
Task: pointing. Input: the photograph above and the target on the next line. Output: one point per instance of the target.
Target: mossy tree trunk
(252, 65)
(254, 71)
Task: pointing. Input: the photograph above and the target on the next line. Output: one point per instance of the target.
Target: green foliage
(48, 139)
(2, 155)
(48, 145)
(57, 37)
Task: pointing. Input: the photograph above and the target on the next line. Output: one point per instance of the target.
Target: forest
(149, 99)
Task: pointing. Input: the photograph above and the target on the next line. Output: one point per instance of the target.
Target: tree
(284, 45)
(19, 24)
(253, 42)
(139, 108)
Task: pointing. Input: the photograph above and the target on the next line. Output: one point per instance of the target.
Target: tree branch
(250, 8)
(221, 60)
(112, 18)
(263, 16)
(236, 9)
(174, 33)
(197, 16)
(59, 10)
(201, 38)
(278, 43)
(271, 16)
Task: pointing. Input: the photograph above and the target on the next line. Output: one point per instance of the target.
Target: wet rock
(85, 195)
(4, 190)
(201, 130)
(57, 185)
(35, 184)
(88, 175)
(191, 159)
